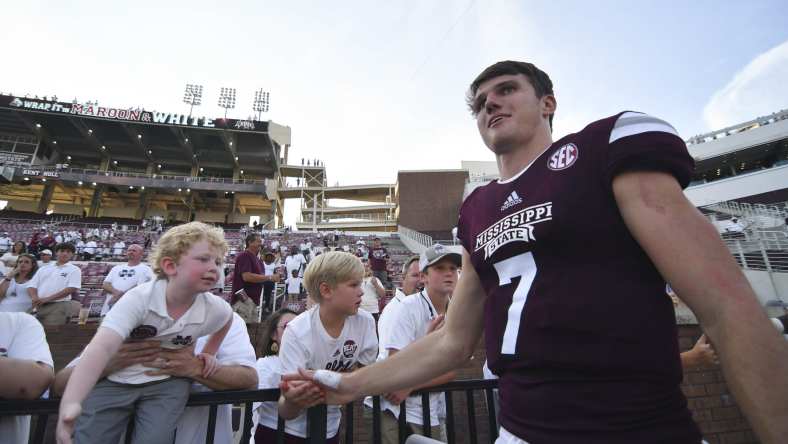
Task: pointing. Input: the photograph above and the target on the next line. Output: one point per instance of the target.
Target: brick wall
(709, 398)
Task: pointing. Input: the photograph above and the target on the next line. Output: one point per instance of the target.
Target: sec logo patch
(563, 157)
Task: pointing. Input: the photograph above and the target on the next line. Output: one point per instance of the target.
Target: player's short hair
(331, 268)
(408, 263)
(539, 79)
(177, 241)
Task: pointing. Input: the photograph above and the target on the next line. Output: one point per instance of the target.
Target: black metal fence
(316, 416)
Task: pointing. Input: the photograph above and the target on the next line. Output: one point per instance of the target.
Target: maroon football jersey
(577, 325)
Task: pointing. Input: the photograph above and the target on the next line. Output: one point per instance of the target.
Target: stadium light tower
(192, 96)
(261, 102)
(227, 99)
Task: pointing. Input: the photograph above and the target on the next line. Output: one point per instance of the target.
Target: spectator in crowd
(334, 335)
(52, 286)
(118, 248)
(34, 242)
(235, 372)
(13, 287)
(419, 314)
(9, 258)
(26, 367)
(58, 238)
(47, 241)
(80, 247)
(304, 248)
(269, 269)
(5, 243)
(411, 280)
(249, 270)
(295, 261)
(46, 258)
(275, 245)
(373, 292)
(378, 261)
(294, 289)
(89, 250)
(173, 309)
(124, 277)
(265, 419)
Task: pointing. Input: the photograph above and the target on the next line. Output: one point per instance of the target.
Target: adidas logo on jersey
(511, 201)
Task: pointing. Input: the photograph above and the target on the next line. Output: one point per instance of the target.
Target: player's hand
(436, 323)
(344, 393)
(397, 397)
(209, 364)
(65, 422)
(302, 394)
(703, 353)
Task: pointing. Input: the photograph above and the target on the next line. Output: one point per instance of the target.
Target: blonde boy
(333, 335)
(176, 309)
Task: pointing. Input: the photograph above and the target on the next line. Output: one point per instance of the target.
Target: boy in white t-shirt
(176, 309)
(333, 335)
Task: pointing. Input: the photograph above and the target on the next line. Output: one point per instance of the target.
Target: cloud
(758, 89)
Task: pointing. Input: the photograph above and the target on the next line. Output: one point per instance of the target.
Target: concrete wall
(67, 209)
(429, 201)
(118, 212)
(768, 286)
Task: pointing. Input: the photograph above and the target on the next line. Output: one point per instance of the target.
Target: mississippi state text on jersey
(577, 324)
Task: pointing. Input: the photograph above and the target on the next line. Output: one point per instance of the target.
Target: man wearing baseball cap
(46, 258)
(421, 313)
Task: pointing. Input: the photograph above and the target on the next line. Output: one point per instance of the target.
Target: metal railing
(185, 179)
(760, 254)
(316, 416)
(416, 241)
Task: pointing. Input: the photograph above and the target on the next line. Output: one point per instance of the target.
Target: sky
(374, 87)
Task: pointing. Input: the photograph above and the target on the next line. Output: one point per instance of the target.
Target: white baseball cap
(436, 253)
(49, 252)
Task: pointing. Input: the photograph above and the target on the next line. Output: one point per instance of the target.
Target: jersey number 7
(524, 267)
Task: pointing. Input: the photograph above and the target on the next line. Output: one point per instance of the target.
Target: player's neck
(515, 160)
(333, 320)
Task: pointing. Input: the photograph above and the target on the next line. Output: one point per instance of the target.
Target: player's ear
(325, 290)
(548, 104)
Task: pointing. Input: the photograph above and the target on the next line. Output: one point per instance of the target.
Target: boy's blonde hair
(331, 268)
(177, 240)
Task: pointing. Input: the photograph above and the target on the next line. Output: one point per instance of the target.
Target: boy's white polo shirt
(142, 314)
(53, 278)
(410, 324)
(21, 337)
(307, 344)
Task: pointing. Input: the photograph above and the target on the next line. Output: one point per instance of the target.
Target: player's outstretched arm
(688, 252)
(420, 361)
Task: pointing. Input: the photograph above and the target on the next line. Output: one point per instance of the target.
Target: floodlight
(227, 99)
(261, 102)
(38, 125)
(192, 96)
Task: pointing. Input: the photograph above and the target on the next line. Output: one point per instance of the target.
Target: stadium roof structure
(138, 137)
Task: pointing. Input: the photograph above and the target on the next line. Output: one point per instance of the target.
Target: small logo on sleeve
(563, 157)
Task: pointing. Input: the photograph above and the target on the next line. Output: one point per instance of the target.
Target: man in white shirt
(52, 286)
(419, 314)
(118, 247)
(123, 278)
(89, 250)
(26, 368)
(5, 243)
(236, 372)
(295, 261)
(59, 237)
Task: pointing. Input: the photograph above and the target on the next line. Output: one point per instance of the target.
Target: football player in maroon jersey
(564, 267)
